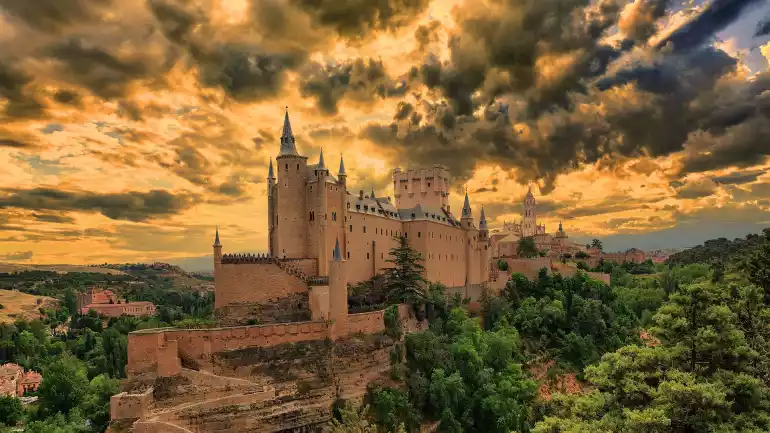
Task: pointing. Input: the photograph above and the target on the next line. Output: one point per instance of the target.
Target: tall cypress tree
(404, 281)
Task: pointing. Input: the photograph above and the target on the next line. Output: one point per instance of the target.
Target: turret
(467, 216)
(217, 251)
(321, 218)
(338, 294)
(342, 175)
(483, 221)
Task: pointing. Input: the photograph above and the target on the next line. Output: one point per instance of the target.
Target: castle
(310, 211)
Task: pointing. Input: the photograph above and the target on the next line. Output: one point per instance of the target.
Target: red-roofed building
(15, 382)
(107, 303)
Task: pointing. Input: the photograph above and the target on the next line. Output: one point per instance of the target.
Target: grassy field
(10, 267)
(17, 304)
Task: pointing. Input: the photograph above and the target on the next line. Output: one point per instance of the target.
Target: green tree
(706, 374)
(527, 248)
(70, 301)
(502, 265)
(64, 385)
(596, 243)
(115, 349)
(404, 281)
(10, 410)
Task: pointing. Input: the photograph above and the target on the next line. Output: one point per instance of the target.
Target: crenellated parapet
(237, 259)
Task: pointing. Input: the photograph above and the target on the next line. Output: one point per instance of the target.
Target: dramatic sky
(130, 128)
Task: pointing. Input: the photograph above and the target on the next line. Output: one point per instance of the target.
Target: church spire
(216, 239)
(342, 167)
(337, 255)
(466, 206)
(288, 146)
(483, 220)
(270, 174)
(560, 227)
(371, 195)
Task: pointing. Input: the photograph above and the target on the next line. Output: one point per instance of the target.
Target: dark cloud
(763, 28)
(53, 218)
(17, 256)
(693, 190)
(360, 80)
(54, 15)
(739, 177)
(359, 18)
(427, 34)
(14, 88)
(131, 206)
(9, 142)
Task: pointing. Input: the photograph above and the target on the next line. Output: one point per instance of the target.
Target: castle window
(312, 216)
(334, 216)
(382, 255)
(351, 228)
(364, 229)
(348, 205)
(287, 166)
(419, 234)
(348, 254)
(367, 256)
(297, 166)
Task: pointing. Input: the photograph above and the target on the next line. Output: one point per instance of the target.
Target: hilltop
(720, 249)
(18, 305)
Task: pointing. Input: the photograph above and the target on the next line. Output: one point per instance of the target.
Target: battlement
(237, 259)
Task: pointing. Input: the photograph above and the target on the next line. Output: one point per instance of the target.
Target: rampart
(367, 323)
(148, 347)
(130, 406)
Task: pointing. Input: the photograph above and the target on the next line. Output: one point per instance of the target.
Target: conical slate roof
(216, 239)
(466, 206)
(270, 174)
(321, 165)
(337, 254)
(483, 220)
(288, 146)
(342, 167)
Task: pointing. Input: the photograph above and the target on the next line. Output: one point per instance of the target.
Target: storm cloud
(130, 206)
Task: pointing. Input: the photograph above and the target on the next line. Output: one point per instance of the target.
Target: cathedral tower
(217, 252)
(529, 225)
(291, 209)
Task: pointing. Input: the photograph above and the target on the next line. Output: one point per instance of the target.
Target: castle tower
(484, 248)
(425, 186)
(217, 252)
(342, 176)
(338, 294)
(529, 225)
(291, 206)
(271, 216)
(320, 218)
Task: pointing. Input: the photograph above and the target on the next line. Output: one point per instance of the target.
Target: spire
(216, 239)
(342, 167)
(321, 164)
(337, 255)
(288, 146)
(560, 227)
(466, 206)
(372, 194)
(529, 192)
(270, 174)
(483, 220)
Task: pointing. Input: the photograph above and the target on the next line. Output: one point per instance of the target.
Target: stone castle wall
(367, 323)
(130, 406)
(254, 283)
(146, 347)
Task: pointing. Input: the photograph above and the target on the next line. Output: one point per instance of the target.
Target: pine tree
(404, 281)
